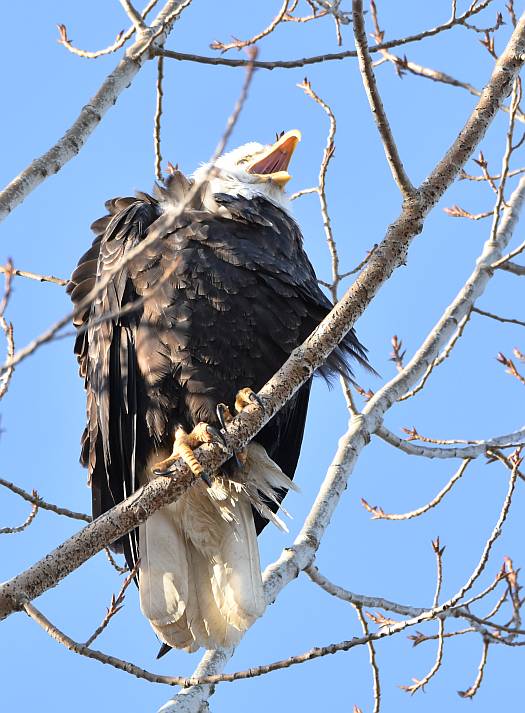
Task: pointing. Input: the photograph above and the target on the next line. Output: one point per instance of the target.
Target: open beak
(273, 163)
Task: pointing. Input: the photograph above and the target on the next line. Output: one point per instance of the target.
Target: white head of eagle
(253, 170)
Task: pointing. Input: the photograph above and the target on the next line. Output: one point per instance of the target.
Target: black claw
(255, 398)
(163, 650)
(216, 435)
(206, 478)
(220, 411)
(165, 471)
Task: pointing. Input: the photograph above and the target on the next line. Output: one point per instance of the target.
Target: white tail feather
(200, 576)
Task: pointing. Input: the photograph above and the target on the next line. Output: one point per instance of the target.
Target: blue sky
(44, 87)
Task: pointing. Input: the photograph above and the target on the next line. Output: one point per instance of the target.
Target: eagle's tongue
(278, 158)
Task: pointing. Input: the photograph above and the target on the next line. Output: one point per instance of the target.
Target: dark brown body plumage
(237, 294)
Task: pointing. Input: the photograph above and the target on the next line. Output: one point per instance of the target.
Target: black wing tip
(339, 362)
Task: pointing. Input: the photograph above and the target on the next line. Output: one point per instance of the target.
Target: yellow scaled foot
(245, 397)
(183, 446)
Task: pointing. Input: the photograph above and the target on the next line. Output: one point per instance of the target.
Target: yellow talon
(244, 398)
(183, 446)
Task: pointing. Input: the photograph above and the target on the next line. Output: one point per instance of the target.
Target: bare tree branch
(379, 514)
(20, 528)
(303, 62)
(372, 659)
(91, 114)
(376, 105)
(120, 41)
(513, 267)
(512, 440)
(135, 17)
(158, 115)
(240, 44)
(116, 604)
(471, 692)
(33, 275)
(37, 500)
(507, 320)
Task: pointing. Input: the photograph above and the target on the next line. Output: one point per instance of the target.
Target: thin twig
(419, 684)
(29, 519)
(6, 376)
(372, 659)
(305, 18)
(376, 105)
(304, 61)
(240, 44)
(501, 575)
(471, 692)
(35, 499)
(398, 354)
(135, 17)
(500, 195)
(517, 251)
(7, 328)
(379, 514)
(361, 264)
(440, 358)
(158, 115)
(120, 41)
(34, 275)
(464, 176)
(420, 638)
(115, 606)
(513, 267)
(303, 192)
(114, 563)
(439, 570)
(497, 317)
(414, 435)
(361, 600)
(482, 163)
(321, 187)
(514, 589)
(457, 211)
(511, 440)
(511, 367)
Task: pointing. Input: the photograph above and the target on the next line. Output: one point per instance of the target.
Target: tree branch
(512, 440)
(35, 499)
(120, 41)
(379, 514)
(376, 105)
(91, 114)
(304, 61)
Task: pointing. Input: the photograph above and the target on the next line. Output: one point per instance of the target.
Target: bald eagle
(225, 292)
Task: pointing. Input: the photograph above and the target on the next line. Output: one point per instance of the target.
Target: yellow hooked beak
(273, 164)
